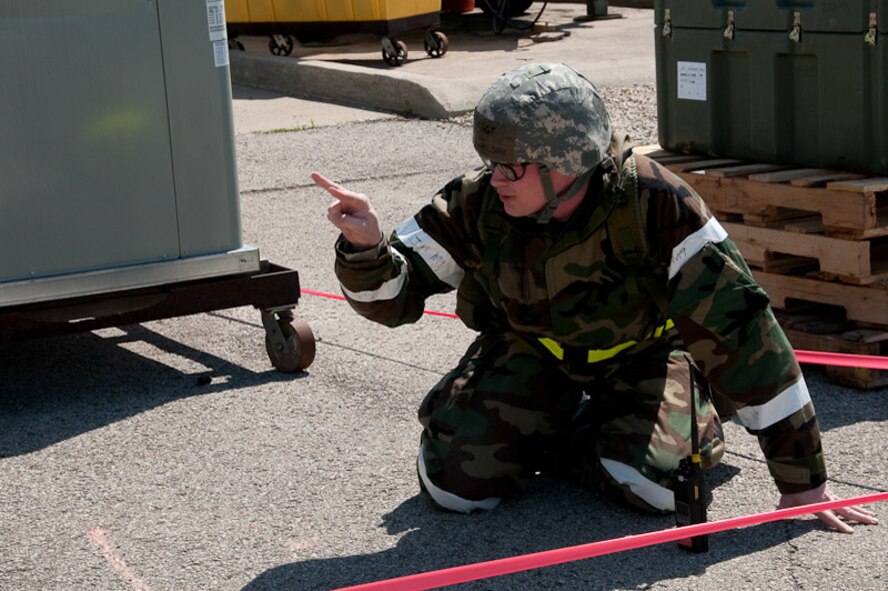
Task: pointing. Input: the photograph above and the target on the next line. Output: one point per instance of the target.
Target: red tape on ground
(505, 566)
(814, 357)
(842, 359)
(339, 297)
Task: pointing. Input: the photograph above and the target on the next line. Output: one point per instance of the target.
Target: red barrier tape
(339, 297)
(505, 566)
(842, 359)
(814, 357)
(331, 296)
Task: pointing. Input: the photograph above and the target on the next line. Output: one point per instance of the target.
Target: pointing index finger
(322, 181)
(334, 189)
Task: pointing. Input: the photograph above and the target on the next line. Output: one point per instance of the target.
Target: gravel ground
(634, 109)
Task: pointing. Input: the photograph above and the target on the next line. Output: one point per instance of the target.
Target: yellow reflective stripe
(554, 348)
(597, 355)
(658, 332)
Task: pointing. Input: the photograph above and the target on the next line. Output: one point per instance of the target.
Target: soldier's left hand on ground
(831, 518)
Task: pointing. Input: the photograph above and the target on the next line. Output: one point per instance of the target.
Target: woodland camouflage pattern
(637, 414)
(518, 281)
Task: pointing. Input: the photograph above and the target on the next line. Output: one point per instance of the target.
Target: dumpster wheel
(289, 341)
(394, 52)
(436, 43)
(280, 45)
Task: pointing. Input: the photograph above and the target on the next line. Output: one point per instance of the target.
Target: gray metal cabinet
(119, 198)
(116, 144)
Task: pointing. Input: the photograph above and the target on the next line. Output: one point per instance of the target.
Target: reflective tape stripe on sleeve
(387, 291)
(449, 500)
(652, 493)
(712, 232)
(762, 416)
(434, 255)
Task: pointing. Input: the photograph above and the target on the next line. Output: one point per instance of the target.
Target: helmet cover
(544, 113)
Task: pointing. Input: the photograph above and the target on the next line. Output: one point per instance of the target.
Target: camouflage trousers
(510, 409)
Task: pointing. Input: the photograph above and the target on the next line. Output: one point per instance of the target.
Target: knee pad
(445, 500)
(624, 483)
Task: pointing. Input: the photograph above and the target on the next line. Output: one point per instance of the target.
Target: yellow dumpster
(311, 20)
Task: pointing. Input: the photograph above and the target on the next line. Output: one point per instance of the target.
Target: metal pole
(596, 10)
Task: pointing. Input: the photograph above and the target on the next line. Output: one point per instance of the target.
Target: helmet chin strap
(553, 200)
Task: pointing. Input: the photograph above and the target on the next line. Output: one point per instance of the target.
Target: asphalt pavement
(121, 468)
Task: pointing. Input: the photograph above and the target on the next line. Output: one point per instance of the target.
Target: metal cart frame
(273, 289)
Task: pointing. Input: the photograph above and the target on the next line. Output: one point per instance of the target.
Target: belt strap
(597, 355)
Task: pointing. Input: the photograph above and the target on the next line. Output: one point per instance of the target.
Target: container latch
(667, 22)
(729, 28)
(872, 35)
(796, 33)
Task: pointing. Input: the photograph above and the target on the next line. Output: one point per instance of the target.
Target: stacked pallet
(817, 241)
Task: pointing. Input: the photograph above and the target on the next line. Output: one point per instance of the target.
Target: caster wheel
(280, 45)
(297, 349)
(235, 44)
(436, 44)
(394, 53)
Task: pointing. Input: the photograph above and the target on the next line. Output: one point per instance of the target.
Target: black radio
(690, 484)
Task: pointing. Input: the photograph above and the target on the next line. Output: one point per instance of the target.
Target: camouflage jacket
(563, 281)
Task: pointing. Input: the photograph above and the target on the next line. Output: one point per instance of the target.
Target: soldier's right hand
(352, 214)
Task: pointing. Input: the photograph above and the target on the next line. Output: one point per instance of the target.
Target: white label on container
(692, 81)
(216, 20)
(220, 53)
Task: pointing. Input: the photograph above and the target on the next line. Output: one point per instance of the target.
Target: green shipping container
(800, 82)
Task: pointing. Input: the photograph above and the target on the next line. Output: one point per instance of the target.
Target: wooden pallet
(861, 304)
(848, 205)
(815, 330)
(791, 250)
(817, 242)
(809, 234)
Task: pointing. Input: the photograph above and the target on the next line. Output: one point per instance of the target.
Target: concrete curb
(428, 95)
(393, 91)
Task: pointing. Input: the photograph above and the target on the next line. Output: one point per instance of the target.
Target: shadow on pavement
(53, 389)
(547, 520)
(839, 407)
(472, 32)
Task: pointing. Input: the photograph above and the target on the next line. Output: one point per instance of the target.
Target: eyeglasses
(511, 172)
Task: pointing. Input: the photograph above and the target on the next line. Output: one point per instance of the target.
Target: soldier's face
(526, 196)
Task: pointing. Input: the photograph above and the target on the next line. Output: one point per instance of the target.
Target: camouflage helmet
(543, 113)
